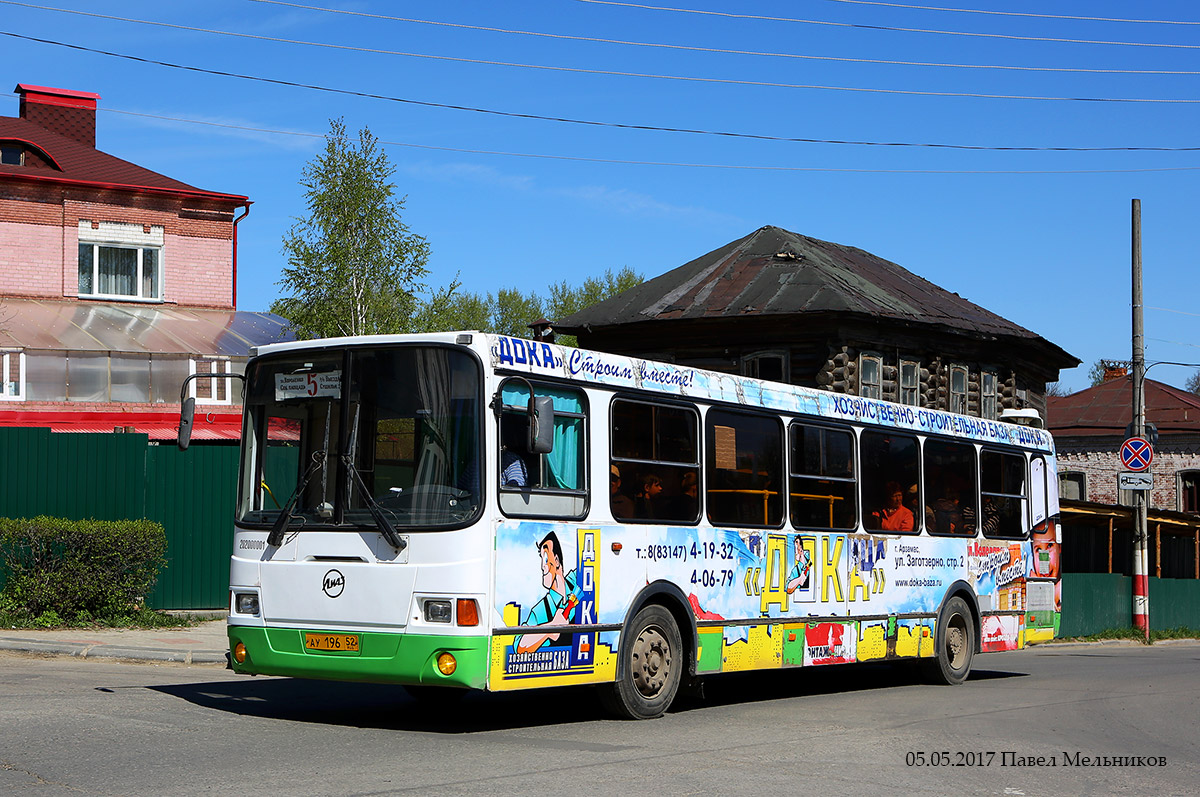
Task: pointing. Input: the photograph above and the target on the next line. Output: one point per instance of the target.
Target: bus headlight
(239, 653)
(246, 603)
(447, 664)
(438, 612)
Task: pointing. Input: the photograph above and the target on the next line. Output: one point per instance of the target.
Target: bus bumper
(381, 657)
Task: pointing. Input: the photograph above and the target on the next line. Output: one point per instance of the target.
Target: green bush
(75, 571)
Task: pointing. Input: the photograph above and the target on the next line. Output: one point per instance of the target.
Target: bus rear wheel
(650, 669)
(954, 645)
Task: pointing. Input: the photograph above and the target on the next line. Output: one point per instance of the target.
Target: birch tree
(353, 266)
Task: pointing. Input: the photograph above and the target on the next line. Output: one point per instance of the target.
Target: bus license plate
(331, 642)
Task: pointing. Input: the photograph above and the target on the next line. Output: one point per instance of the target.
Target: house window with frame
(1189, 491)
(123, 272)
(987, 395)
(870, 375)
(768, 365)
(12, 155)
(1072, 486)
(12, 387)
(910, 380)
(958, 389)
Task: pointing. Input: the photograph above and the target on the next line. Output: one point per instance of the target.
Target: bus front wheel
(651, 666)
(955, 644)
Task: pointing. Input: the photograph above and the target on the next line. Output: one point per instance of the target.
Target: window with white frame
(958, 389)
(13, 386)
(870, 369)
(215, 389)
(120, 261)
(910, 380)
(987, 395)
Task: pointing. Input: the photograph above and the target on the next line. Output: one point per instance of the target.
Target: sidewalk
(204, 643)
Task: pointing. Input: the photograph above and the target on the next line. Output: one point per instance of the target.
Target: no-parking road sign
(1136, 454)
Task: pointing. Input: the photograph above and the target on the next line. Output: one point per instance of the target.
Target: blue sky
(1040, 237)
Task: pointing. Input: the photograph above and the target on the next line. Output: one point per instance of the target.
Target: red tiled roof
(81, 164)
(1107, 409)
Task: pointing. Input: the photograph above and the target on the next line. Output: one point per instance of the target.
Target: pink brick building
(116, 282)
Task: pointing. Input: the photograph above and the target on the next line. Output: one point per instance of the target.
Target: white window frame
(870, 389)
(988, 402)
(957, 399)
(10, 390)
(913, 391)
(219, 366)
(117, 235)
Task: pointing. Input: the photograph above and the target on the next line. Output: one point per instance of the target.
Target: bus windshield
(333, 437)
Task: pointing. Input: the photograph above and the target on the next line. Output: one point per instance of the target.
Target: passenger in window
(646, 501)
(621, 504)
(946, 515)
(513, 472)
(687, 503)
(894, 516)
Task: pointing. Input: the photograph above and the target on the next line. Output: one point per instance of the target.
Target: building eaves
(85, 166)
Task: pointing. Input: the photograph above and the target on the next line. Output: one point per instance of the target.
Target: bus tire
(650, 667)
(954, 645)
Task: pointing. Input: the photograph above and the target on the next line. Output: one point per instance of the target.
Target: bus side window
(542, 485)
(951, 500)
(889, 460)
(654, 465)
(822, 484)
(1002, 485)
(744, 473)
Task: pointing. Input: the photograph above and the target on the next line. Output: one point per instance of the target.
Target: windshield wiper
(385, 526)
(275, 538)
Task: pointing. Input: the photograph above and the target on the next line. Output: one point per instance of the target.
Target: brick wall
(1099, 463)
(39, 241)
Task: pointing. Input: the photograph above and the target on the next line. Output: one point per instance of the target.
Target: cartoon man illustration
(557, 604)
(798, 577)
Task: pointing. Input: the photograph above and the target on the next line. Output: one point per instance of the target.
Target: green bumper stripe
(381, 658)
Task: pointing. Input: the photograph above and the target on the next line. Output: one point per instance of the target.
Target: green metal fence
(1096, 602)
(117, 476)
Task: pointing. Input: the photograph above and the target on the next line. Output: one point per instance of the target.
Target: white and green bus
(472, 511)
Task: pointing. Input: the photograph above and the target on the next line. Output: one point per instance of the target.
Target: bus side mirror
(541, 424)
(187, 412)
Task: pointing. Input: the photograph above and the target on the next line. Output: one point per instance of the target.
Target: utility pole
(1141, 591)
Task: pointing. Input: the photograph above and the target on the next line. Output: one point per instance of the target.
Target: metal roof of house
(78, 163)
(774, 272)
(136, 328)
(1107, 409)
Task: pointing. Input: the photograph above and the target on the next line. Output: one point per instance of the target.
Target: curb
(81, 651)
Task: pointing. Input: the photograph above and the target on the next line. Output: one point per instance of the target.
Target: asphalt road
(70, 727)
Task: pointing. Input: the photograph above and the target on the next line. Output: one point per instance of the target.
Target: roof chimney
(68, 113)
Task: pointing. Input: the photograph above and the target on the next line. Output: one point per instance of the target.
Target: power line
(614, 161)
(715, 50)
(1071, 17)
(764, 18)
(575, 70)
(589, 122)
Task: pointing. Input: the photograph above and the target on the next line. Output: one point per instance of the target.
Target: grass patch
(1134, 635)
(142, 618)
